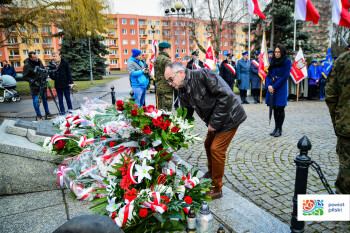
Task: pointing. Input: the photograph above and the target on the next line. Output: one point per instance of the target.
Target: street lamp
(88, 33)
(177, 8)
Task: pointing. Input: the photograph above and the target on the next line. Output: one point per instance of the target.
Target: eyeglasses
(171, 79)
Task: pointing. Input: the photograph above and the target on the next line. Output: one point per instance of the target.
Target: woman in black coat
(63, 81)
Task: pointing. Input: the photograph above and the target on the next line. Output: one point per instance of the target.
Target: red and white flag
(340, 13)
(253, 8)
(263, 59)
(154, 55)
(210, 60)
(299, 69)
(304, 10)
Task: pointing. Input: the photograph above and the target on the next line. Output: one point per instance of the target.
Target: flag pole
(295, 32)
(250, 17)
(261, 90)
(298, 82)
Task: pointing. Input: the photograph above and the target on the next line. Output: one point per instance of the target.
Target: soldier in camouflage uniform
(163, 90)
(338, 101)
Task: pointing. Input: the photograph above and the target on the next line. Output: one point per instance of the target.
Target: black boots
(256, 99)
(244, 100)
(279, 119)
(273, 132)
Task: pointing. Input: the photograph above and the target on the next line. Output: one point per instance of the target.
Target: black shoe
(273, 132)
(207, 175)
(49, 116)
(278, 132)
(245, 100)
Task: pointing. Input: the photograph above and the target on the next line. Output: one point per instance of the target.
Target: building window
(22, 29)
(125, 51)
(149, 22)
(183, 24)
(12, 40)
(112, 42)
(183, 50)
(177, 50)
(113, 52)
(225, 43)
(132, 22)
(150, 51)
(111, 22)
(143, 51)
(165, 23)
(242, 36)
(125, 41)
(142, 42)
(124, 31)
(47, 51)
(114, 62)
(142, 32)
(142, 22)
(204, 43)
(191, 51)
(183, 33)
(45, 29)
(183, 42)
(204, 35)
(149, 41)
(25, 52)
(246, 36)
(14, 52)
(149, 32)
(37, 51)
(157, 23)
(47, 41)
(60, 40)
(24, 40)
(133, 42)
(36, 41)
(125, 61)
(164, 41)
(35, 30)
(158, 41)
(16, 64)
(176, 23)
(220, 43)
(158, 32)
(191, 41)
(123, 21)
(132, 31)
(176, 32)
(176, 41)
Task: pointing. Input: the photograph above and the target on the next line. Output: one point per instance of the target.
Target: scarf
(57, 63)
(277, 62)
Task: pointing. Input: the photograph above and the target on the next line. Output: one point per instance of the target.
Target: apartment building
(125, 32)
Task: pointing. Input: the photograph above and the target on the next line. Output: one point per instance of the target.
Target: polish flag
(340, 13)
(154, 55)
(253, 8)
(304, 10)
(210, 60)
(263, 59)
(299, 69)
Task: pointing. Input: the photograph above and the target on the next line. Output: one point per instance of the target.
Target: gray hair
(53, 53)
(176, 66)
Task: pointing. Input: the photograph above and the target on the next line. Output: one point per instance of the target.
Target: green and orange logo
(313, 207)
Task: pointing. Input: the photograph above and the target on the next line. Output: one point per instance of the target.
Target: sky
(139, 7)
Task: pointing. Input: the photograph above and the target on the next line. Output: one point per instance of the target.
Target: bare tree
(216, 15)
(337, 45)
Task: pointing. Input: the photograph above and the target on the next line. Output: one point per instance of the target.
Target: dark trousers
(256, 92)
(243, 93)
(312, 91)
(279, 115)
(60, 92)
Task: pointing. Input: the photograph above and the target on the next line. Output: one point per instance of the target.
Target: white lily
(111, 207)
(154, 114)
(142, 171)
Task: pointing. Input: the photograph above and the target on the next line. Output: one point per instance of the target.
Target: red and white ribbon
(57, 138)
(186, 209)
(60, 174)
(130, 173)
(167, 172)
(128, 212)
(190, 182)
(230, 68)
(83, 141)
(156, 205)
(85, 172)
(79, 121)
(77, 156)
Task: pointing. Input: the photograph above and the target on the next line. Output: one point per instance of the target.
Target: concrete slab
(24, 175)
(25, 124)
(12, 129)
(76, 207)
(33, 137)
(45, 128)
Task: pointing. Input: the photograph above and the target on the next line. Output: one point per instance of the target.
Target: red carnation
(144, 108)
(67, 132)
(120, 108)
(155, 122)
(166, 199)
(60, 145)
(120, 103)
(111, 144)
(167, 122)
(188, 200)
(163, 126)
(121, 149)
(146, 129)
(142, 143)
(134, 112)
(130, 194)
(67, 125)
(174, 129)
(160, 118)
(143, 213)
(151, 108)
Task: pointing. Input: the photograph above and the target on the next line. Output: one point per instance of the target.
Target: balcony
(192, 45)
(47, 56)
(14, 57)
(144, 55)
(166, 35)
(112, 25)
(13, 33)
(165, 27)
(144, 46)
(47, 45)
(46, 33)
(112, 35)
(12, 45)
(143, 26)
(143, 35)
(113, 46)
(113, 56)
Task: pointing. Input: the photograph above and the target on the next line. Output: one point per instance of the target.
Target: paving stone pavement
(261, 167)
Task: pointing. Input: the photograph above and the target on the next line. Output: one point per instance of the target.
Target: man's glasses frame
(171, 79)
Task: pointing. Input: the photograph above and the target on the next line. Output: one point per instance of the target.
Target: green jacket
(338, 95)
(159, 68)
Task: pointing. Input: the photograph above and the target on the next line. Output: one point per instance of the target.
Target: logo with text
(313, 207)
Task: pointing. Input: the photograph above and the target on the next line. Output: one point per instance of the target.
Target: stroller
(8, 84)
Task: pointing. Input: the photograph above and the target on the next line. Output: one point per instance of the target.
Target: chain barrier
(56, 114)
(322, 177)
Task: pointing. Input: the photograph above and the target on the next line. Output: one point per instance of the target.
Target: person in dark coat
(195, 63)
(256, 80)
(270, 55)
(243, 77)
(228, 70)
(205, 92)
(34, 83)
(63, 82)
(314, 77)
(276, 82)
(8, 69)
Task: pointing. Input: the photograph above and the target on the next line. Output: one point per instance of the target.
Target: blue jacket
(256, 80)
(137, 77)
(243, 74)
(9, 71)
(280, 85)
(314, 75)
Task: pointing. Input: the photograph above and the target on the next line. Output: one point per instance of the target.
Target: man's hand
(270, 88)
(211, 129)
(72, 85)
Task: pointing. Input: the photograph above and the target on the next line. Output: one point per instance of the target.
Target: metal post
(92, 80)
(178, 28)
(302, 161)
(250, 18)
(113, 95)
(295, 33)
(132, 96)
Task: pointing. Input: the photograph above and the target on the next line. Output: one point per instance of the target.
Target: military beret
(270, 51)
(314, 61)
(257, 52)
(229, 55)
(295, 52)
(323, 60)
(195, 53)
(164, 45)
(245, 53)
